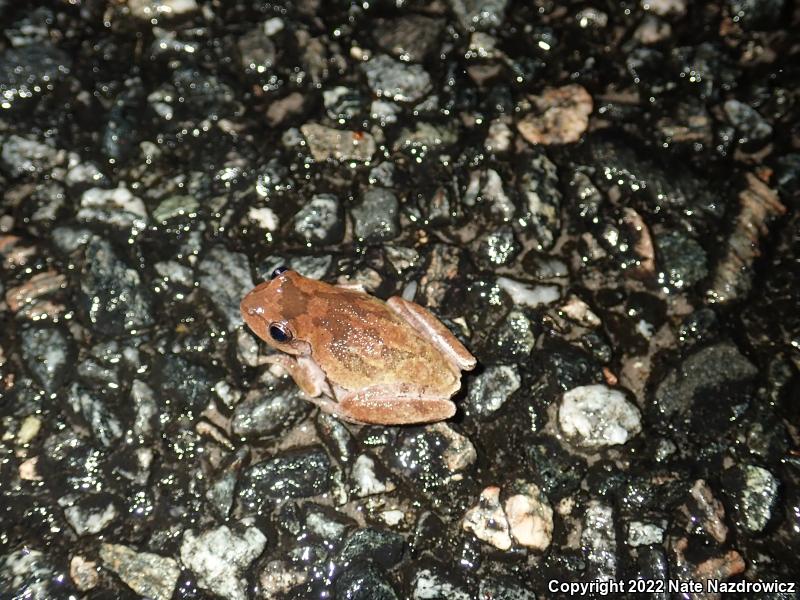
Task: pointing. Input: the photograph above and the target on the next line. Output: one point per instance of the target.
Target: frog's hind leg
(352, 286)
(433, 329)
(384, 405)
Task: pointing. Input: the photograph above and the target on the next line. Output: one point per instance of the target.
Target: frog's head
(270, 308)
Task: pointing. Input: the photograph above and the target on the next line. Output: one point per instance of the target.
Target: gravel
(147, 574)
(219, 557)
(596, 415)
(320, 220)
(600, 201)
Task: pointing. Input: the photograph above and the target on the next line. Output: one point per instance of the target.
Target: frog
(355, 356)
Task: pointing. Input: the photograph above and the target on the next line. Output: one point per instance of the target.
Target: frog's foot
(352, 287)
(332, 407)
(433, 330)
(384, 405)
(305, 372)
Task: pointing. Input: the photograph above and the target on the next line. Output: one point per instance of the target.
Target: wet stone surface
(599, 200)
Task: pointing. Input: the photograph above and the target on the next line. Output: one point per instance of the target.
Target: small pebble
(595, 416)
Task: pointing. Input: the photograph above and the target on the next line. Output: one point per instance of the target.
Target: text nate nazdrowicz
(604, 588)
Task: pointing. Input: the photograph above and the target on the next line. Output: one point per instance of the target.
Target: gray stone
(28, 575)
(343, 104)
(599, 541)
(175, 206)
(257, 51)
(503, 587)
(499, 247)
(375, 219)
(320, 220)
(219, 558)
(753, 491)
(428, 585)
(94, 408)
(28, 156)
(149, 575)
(479, 15)
(752, 127)
(541, 213)
(513, 339)
(90, 514)
(116, 207)
(644, 534)
(47, 352)
(490, 390)
(396, 80)
(225, 276)
(145, 409)
(261, 414)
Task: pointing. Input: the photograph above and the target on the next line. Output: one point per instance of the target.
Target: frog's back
(360, 342)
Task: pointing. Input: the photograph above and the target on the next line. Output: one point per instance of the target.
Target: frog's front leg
(385, 405)
(305, 372)
(433, 330)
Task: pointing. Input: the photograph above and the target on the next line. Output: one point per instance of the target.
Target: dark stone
(28, 573)
(705, 371)
(699, 327)
(295, 474)
(750, 125)
(190, 385)
(557, 472)
(113, 300)
(751, 492)
(565, 365)
(757, 14)
(261, 415)
(364, 581)
(48, 353)
(31, 71)
(498, 248)
(384, 548)
(409, 37)
(540, 215)
(504, 588)
(683, 260)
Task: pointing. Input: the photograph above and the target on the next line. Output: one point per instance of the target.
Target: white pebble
(595, 416)
(526, 295)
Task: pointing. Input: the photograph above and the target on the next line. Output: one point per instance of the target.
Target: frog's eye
(280, 333)
(278, 271)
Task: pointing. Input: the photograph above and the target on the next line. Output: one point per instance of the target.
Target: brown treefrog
(355, 356)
